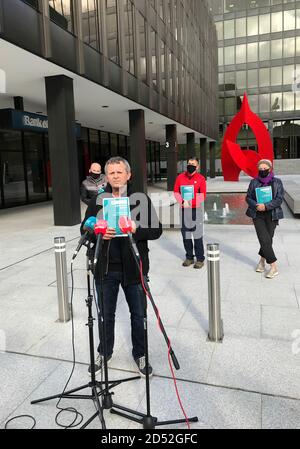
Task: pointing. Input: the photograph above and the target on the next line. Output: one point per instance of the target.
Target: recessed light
(150, 123)
(105, 107)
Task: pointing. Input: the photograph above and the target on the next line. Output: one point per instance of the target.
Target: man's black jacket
(148, 228)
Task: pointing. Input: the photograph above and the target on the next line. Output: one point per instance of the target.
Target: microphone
(89, 229)
(126, 227)
(100, 230)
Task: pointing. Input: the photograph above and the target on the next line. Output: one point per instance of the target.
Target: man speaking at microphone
(117, 260)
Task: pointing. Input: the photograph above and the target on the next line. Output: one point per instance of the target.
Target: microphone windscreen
(89, 225)
(101, 227)
(125, 225)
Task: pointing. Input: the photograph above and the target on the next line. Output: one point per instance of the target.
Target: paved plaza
(251, 380)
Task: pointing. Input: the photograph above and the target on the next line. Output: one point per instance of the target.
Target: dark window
(112, 31)
(90, 22)
(61, 12)
(12, 168)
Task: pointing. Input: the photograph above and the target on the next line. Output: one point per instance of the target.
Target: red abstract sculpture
(234, 159)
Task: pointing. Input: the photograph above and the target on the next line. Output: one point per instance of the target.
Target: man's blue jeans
(135, 299)
(192, 228)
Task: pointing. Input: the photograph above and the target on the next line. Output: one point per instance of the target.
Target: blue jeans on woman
(135, 299)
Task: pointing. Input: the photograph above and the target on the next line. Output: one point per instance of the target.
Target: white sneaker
(272, 273)
(260, 267)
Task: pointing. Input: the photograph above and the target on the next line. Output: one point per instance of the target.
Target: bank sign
(35, 122)
(27, 121)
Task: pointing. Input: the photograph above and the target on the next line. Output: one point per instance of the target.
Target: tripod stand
(94, 385)
(147, 420)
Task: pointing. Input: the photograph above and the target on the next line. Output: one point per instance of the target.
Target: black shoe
(99, 363)
(141, 364)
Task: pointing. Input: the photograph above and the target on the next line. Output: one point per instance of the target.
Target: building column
(203, 157)
(172, 155)
(190, 145)
(212, 159)
(138, 158)
(63, 150)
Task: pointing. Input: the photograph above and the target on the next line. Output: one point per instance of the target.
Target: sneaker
(99, 364)
(272, 273)
(260, 267)
(187, 263)
(198, 265)
(141, 364)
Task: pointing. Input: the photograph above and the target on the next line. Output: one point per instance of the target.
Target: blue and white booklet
(264, 194)
(113, 210)
(187, 193)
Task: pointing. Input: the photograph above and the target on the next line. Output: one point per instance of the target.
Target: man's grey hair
(118, 160)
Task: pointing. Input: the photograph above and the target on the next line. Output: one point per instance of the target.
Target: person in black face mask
(190, 192)
(93, 184)
(264, 198)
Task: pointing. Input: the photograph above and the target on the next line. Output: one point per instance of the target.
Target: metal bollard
(216, 332)
(62, 279)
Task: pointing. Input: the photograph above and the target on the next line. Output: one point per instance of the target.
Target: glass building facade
(160, 54)
(259, 53)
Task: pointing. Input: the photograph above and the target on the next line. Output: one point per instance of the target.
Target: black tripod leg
(57, 396)
(177, 421)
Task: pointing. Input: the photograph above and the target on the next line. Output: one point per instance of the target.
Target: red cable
(169, 351)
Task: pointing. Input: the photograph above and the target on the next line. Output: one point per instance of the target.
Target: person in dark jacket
(265, 214)
(117, 261)
(92, 184)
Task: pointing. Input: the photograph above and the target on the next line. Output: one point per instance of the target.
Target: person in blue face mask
(264, 197)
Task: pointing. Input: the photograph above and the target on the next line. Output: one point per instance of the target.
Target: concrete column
(203, 157)
(190, 145)
(212, 159)
(172, 155)
(138, 158)
(63, 150)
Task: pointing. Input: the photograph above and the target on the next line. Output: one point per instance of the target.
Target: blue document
(187, 193)
(264, 194)
(113, 210)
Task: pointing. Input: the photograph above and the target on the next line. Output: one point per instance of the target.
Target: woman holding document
(264, 198)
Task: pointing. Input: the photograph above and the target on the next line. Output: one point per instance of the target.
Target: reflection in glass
(264, 51)
(153, 53)
(11, 168)
(240, 26)
(264, 24)
(276, 19)
(35, 167)
(142, 42)
(276, 76)
(252, 52)
(288, 74)
(129, 41)
(289, 20)
(112, 31)
(229, 55)
(252, 78)
(264, 103)
(289, 47)
(276, 49)
(241, 79)
(288, 101)
(90, 23)
(276, 102)
(61, 12)
(240, 54)
(264, 77)
(229, 29)
(252, 25)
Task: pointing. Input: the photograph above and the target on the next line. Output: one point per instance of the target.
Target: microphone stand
(147, 420)
(94, 385)
(107, 402)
